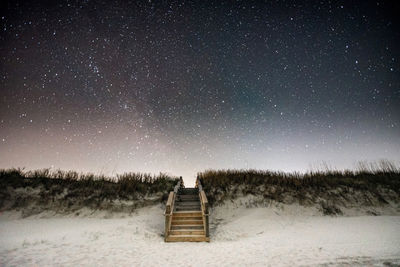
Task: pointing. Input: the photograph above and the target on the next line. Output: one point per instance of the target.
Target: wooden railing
(204, 207)
(169, 208)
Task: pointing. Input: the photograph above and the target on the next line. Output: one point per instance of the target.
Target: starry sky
(184, 86)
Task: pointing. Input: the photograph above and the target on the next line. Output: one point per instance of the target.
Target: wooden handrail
(170, 203)
(204, 207)
(204, 201)
(169, 207)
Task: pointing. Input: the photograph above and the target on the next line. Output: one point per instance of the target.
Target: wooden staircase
(186, 216)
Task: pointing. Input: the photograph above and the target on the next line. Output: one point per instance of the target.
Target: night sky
(183, 86)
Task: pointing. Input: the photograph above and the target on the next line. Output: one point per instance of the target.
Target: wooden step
(190, 194)
(188, 209)
(185, 218)
(188, 206)
(187, 203)
(183, 204)
(187, 214)
(187, 199)
(188, 227)
(191, 222)
(187, 238)
(187, 232)
(189, 189)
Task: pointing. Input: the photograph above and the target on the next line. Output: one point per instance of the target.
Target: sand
(277, 235)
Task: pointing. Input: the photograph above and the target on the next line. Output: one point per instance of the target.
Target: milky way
(182, 86)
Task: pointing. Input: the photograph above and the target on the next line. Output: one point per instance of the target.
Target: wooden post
(167, 220)
(207, 227)
(204, 204)
(168, 211)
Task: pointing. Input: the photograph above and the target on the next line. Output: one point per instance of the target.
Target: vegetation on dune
(69, 190)
(370, 178)
(370, 185)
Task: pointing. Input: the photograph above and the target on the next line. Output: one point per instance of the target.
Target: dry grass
(368, 177)
(71, 190)
(124, 185)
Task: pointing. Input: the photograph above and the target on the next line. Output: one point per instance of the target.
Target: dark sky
(182, 86)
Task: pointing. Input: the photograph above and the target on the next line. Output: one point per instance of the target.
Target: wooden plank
(206, 225)
(169, 203)
(188, 209)
(204, 201)
(195, 208)
(191, 222)
(187, 232)
(168, 213)
(192, 227)
(167, 225)
(187, 238)
(188, 203)
(205, 212)
(187, 213)
(185, 218)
